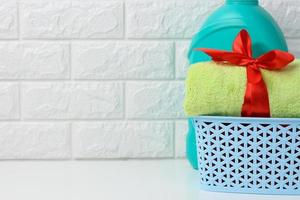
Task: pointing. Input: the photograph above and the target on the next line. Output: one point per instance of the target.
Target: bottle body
(219, 31)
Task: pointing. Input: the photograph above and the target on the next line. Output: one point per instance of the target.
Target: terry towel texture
(214, 89)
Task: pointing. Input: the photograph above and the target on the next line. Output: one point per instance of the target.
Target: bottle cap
(249, 2)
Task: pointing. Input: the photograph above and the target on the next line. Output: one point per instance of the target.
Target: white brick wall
(123, 139)
(123, 60)
(34, 60)
(101, 79)
(67, 20)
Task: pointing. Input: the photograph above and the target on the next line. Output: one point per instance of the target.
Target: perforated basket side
(249, 154)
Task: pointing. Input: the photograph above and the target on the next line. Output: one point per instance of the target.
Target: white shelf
(108, 180)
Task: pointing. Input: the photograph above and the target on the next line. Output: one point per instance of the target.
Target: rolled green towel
(216, 89)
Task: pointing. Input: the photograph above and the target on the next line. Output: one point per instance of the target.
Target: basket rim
(248, 119)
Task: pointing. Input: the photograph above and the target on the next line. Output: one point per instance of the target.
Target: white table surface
(108, 180)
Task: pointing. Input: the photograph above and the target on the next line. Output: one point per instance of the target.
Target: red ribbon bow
(256, 100)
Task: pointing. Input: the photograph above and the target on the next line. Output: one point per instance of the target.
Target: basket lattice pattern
(249, 155)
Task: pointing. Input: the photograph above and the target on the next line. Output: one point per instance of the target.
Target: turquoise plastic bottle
(219, 31)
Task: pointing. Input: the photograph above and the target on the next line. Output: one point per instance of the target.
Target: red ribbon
(256, 100)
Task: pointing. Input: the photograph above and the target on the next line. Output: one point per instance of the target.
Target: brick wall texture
(102, 79)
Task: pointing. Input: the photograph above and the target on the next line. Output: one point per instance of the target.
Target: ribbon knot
(256, 99)
(252, 62)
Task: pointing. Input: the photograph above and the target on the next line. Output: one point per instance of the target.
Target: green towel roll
(216, 89)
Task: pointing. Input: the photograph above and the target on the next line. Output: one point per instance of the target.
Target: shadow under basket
(249, 155)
